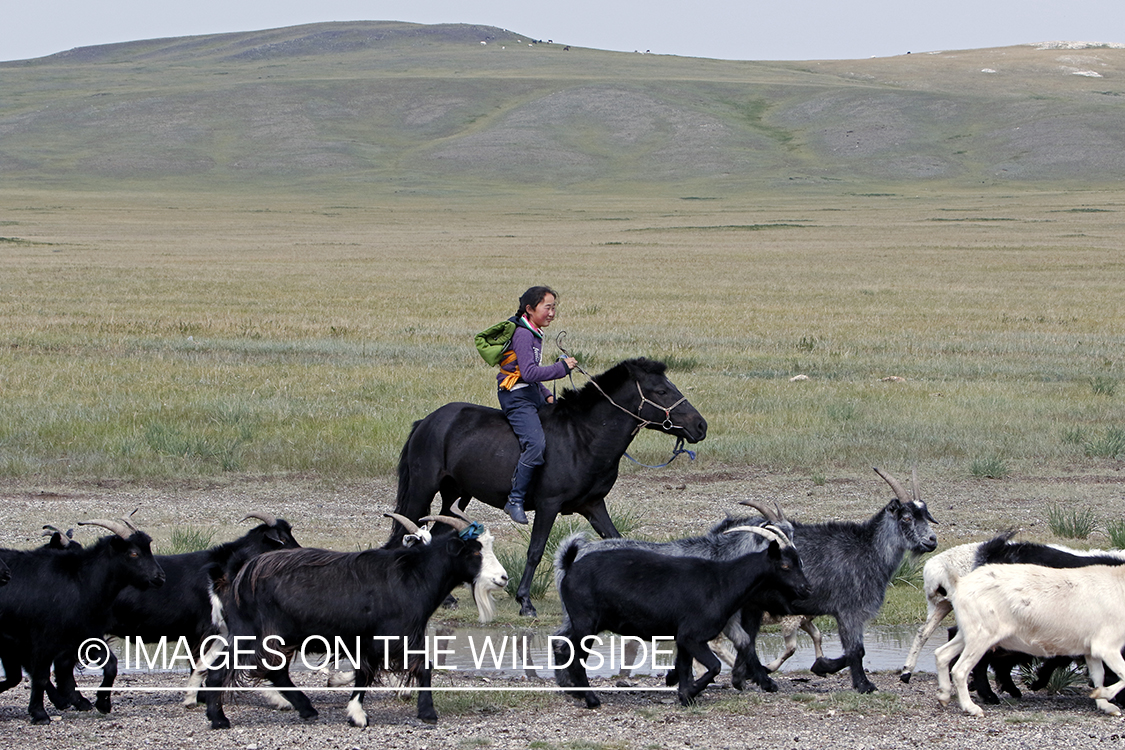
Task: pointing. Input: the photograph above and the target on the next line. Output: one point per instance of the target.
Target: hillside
(394, 106)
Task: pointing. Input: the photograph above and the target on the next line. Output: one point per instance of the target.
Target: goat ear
(774, 550)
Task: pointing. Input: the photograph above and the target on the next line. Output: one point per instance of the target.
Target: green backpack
(494, 340)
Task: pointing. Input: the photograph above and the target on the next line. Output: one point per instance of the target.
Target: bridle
(667, 425)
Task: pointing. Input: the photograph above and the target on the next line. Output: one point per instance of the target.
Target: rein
(666, 425)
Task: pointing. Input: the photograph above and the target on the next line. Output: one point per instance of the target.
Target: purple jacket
(529, 353)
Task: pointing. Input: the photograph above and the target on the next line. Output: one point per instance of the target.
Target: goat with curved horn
(410, 526)
(767, 532)
(117, 527)
(266, 518)
(458, 523)
(773, 515)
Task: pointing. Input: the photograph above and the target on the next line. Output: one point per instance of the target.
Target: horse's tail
(402, 495)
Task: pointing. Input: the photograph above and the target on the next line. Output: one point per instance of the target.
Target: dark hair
(533, 297)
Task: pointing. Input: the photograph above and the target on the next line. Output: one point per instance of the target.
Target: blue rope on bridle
(676, 451)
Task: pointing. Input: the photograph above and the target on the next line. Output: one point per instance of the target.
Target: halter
(667, 425)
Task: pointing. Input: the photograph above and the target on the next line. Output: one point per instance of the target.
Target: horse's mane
(585, 398)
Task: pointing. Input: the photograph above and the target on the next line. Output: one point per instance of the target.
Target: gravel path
(807, 711)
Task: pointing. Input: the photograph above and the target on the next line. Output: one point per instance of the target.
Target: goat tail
(568, 551)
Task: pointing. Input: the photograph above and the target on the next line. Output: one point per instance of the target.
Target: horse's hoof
(527, 610)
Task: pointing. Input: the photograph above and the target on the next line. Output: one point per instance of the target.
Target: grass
(1071, 523)
(1115, 530)
(266, 337)
(184, 539)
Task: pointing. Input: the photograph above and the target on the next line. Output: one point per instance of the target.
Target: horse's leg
(598, 516)
(540, 530)
(451, 495)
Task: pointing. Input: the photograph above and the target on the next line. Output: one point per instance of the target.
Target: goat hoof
(905, 676)
(592, 701)
(223, 723)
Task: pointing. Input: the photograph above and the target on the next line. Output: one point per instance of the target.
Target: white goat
(937, 574)
(790, 624)
(1038, 611)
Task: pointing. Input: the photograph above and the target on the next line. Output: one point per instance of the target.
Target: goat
(955, 562)
(1039, 611)
(183, 607)
(1000, 551)
(849, 565)
(291, 595)
(35, 624)
(716, 544)
(643, 593)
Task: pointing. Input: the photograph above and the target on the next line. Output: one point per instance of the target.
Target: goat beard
(482, 596)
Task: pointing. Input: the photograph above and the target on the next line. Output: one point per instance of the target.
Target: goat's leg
(980, 682)
(214, 699)
(1002, 666)
(280, 679)
(426, 710)
(747, 663)
(789, 627)
(945, 654)
(938, 612)
(1111, 656)
(851, 636)
(697, 650)
(357, 717)
(968, 658)
(40, 673)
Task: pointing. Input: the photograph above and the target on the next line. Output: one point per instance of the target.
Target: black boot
(514, 508)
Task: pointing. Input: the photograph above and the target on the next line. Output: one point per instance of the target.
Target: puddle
(511, 652)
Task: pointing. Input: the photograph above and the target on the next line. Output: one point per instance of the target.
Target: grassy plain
(162, 335)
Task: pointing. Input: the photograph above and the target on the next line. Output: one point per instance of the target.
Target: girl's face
(543, 313)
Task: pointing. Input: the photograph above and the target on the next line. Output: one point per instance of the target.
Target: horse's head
(660, 403)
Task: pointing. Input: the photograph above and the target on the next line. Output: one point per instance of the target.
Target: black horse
(466, 450)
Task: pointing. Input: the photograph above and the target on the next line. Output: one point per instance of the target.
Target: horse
(466, 451)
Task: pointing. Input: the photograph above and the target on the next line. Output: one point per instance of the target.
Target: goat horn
(914, 485)
(48, 529)
(410, 526)
(117, 527)
(459, 513)
(265, 518)
(900, 493)
(781, 540)
(458, 523)
(773, 515)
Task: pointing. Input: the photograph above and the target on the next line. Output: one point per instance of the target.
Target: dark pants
(521, 407)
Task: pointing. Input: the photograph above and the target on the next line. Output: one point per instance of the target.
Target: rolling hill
(396, 106)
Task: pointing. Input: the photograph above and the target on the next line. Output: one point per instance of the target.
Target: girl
(521, 391)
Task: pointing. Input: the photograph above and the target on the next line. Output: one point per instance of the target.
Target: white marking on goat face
(492, 577)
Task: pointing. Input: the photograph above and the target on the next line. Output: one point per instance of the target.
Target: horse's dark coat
(467, 451)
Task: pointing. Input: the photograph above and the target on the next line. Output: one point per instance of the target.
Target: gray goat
(849, 565)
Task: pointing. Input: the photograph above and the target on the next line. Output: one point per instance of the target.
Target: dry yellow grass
(179, 332)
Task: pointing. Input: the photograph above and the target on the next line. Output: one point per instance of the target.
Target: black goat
(849, 565)
(716, 544)
(182, 608)
(638, 592)
(56, 600)
(281, 599)
(1000, 550)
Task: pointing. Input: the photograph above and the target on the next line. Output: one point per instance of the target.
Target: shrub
(1116, 532)
(989, 468)
(1070, 523)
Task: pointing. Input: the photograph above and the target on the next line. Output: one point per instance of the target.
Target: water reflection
(512, 652)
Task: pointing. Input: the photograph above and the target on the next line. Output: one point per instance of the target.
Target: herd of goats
(1012, 600)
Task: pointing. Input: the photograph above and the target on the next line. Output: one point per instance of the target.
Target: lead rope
(666, 425)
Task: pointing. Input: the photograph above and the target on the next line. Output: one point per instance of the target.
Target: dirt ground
(807, 711)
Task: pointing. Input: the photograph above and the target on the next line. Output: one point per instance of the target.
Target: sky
(726, 29)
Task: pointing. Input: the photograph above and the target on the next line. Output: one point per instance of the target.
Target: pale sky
(728, 29)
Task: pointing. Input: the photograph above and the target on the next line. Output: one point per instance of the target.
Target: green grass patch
(1070, 523)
